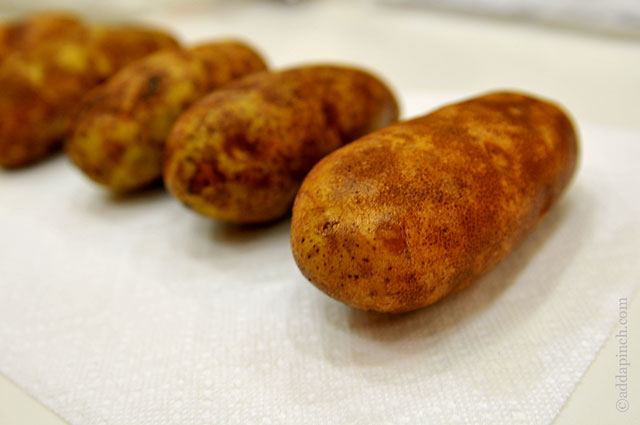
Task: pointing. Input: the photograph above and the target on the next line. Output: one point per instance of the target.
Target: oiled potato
(30, 31)
(406, 215)
(119, 137)
(40, 88)
(240, 154)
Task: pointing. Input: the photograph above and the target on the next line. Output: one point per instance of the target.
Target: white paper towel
(136, 311)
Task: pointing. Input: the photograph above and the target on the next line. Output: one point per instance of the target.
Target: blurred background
(621, 17)
(583, 53)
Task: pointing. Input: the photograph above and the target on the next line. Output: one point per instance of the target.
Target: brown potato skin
(40, 88)
(35, 29)
(404, 216)
(240, 154)
(120, 134)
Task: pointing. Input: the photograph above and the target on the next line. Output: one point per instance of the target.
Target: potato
(119, 137)
(118, 46)
(240, 154)
(40, 88)
(30, 31)
(406, 215)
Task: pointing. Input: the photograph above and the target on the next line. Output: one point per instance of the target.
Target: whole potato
(406, 215)
(32, 30)
(119, 137)
(40, 88)
(240, 154)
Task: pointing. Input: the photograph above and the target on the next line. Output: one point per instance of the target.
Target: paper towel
(136, 311)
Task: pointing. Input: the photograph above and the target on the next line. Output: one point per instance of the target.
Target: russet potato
(41, 87)
(120, 133)
(30, 31)
(406, 215)
(240, 154)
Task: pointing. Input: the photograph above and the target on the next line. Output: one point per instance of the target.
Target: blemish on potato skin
(152, 87)
(235, 143)
(442, 199)
(328, 226)
(206, 175)
(112, 150)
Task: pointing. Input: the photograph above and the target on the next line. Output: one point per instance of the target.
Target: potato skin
(406, 215)
(35, 29)
(40, 88)
(120, 134)
(240, 154)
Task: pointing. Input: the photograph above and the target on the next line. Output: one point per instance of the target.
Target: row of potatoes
(388, 216)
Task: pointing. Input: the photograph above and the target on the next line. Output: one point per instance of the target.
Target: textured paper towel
(136, 311)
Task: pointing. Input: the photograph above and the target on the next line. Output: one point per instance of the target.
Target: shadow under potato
(247, 254)
(106, 205)
(55, 155)
(235, 234)
(144, 194)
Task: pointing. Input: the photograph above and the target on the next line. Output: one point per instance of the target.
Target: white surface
(616, 16)
(414, 51)
(594, 400)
